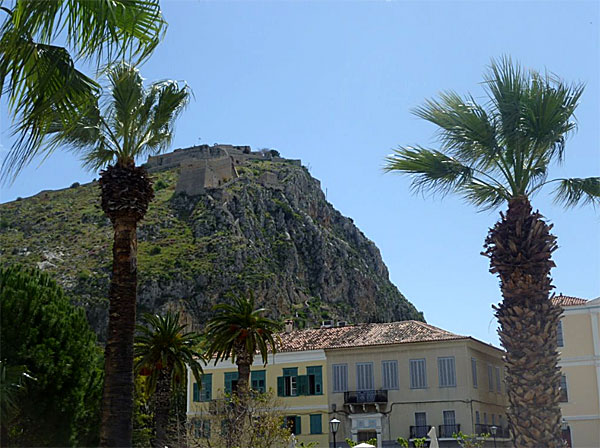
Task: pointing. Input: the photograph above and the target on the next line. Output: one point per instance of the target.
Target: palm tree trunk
(162, 400)
(243, 362)
(117, 398)
(520, 247)
(126, 193)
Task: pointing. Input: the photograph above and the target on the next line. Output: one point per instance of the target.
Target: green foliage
(402, 442)
(470, 440)
(162, 344)
(51, 338)
(236, 423)
(493, 153)
(420, 442)
(239, 326)
(372, 441)
(13, 380)
(131, 120)
(39, 77)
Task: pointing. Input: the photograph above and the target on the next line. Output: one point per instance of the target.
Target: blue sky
(333, 83)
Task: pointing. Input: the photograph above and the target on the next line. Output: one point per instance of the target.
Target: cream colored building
(579, 346)
(382, 381)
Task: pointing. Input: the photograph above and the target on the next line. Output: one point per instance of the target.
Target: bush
(75, 185)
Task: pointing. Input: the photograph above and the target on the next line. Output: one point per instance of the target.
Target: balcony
(366, 397)
(416, 432)
(501, 433)
(447, 431)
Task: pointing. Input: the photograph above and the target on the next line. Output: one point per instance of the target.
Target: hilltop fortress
(205, 166)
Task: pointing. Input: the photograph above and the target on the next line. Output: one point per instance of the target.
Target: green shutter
(298, 425)
(280, 386)
(230, 377)
(196, 392)
(302, 385)
(206, 387)
(315, 424)
(317, 371)
(257, 380)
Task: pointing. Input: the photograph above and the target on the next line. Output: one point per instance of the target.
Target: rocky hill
(268, 229)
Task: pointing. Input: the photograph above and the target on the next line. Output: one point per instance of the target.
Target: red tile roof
(363, 335)
(568, 300)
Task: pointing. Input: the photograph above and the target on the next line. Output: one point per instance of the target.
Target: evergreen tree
(43, 332)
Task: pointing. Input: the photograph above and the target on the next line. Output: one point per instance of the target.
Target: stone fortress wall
(205, 166)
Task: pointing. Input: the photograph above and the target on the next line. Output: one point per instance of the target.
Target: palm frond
(43, 86)
(466, 129)
(574, 191)
(430, 170)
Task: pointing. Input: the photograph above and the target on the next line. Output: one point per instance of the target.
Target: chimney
(289, 325)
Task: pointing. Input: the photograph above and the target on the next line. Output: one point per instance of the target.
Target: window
(564, 395)
(447, 372)
(449, 418)
(477, 419)
(491, 377)
(231, 379)
(340, 377)
(196, 393)
(474, 372)
(316, 424)
(501, 421)
(421, 427)
(390, 374)
(258, 381)
(202, 428)
(287, 384)
(315, 380)
(498, 381)
(485, 418)
(494, 419)
(418, 374)
(559, 335)
(364, 376)
(206, 390)
(294, 423)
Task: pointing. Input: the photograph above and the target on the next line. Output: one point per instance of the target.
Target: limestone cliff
(269, 229)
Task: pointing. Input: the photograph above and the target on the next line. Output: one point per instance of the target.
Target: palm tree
(133, 122)
(237, 331)
(500, 153)
(39, 77)
(162, 350)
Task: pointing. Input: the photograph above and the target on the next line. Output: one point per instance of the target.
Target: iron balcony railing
(501, 433)
(447, 431)
(365, 396)
(416, 432)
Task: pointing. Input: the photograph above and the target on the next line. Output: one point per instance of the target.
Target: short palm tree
(163, 350)
(238, 331)
(132, 121)
(500, 153)
(38, 76)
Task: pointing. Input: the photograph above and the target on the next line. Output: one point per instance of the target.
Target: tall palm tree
(133, 121)
(237, 331)
(500, 153)
(39, 77)
(162, 350)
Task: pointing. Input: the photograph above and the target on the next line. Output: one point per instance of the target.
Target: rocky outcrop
(270, 230)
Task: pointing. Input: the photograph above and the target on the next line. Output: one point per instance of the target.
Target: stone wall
(197, 175)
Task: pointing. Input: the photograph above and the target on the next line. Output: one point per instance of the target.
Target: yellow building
(297, 378)
(579, 346)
